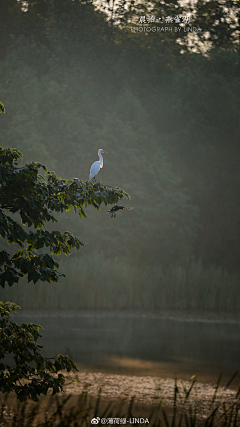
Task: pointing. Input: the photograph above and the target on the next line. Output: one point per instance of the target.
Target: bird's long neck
(100, 159)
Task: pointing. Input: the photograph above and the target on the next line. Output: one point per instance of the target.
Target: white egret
(96, 166)
(115, 209)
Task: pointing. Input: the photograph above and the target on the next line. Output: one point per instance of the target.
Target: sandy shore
(147, 390)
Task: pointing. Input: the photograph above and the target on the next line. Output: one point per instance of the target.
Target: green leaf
(2, 109)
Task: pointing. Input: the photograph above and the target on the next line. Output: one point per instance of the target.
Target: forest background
(166, 108)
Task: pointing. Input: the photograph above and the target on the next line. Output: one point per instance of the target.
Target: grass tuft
(100, 283)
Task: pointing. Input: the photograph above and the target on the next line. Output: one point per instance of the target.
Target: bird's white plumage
(96, 166)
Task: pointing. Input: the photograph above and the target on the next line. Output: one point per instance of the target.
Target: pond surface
(141, 345)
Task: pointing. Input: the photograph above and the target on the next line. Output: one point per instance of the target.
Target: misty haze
(137, 205)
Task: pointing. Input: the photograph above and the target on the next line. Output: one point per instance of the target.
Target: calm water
(126, 344)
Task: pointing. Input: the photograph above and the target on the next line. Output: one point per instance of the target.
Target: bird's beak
(105, 151)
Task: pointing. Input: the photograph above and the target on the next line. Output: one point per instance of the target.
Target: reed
(97, 282)
(70, 412)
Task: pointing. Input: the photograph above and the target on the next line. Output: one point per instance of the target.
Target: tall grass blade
(97, 403)
(130, 415)
(174, 403)
(216, 389)
(106, 410)
(210, 420)
(238, 392)
(165, 418)
(231, 380)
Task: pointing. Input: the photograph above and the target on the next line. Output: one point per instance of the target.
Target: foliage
(36, 372)
(2, 109)
(219, 21)
(36, 197)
